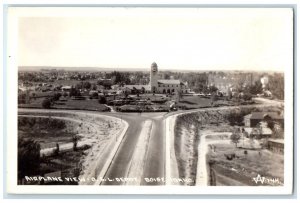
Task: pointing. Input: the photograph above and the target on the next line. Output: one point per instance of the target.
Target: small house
(253, 119)
(66, 88)
(276, 145)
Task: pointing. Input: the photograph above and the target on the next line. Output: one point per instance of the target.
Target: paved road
(155, 155)
(154, 160)
(154, 165)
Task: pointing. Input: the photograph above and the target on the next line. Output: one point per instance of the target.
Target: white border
(12, 187)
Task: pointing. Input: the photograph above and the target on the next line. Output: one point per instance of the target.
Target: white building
(165, 86)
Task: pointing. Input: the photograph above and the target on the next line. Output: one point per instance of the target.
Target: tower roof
(154, 64)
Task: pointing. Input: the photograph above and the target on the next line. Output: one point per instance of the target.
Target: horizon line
(141, 69)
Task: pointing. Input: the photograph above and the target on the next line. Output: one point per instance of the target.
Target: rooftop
(264, 131)
(277, 140)
(147, 87)
(262, 115)
(170, 82)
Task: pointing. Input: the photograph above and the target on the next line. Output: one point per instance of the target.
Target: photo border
(253, 196)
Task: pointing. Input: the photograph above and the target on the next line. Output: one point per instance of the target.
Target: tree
(74, 92)
(213, 98)
(22, 98)
(247, 96)
(87, 85)
(28, 157)
(102, 100)
(179, 95)
(235, 138)
(56, 149)
(33, 95)
(256, 88)
(106, 83)
(213, 88)
(56, 96)
(95, 95)
(75, 142)
(94, 87)
(46, 103)
(276, 85)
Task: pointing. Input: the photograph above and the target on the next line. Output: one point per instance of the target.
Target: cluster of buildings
(157, 85)
(266, 125)
(232, 82)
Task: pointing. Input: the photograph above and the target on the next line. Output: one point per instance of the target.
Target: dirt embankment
(97, 131)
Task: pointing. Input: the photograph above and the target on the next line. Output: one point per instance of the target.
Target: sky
(208, 39)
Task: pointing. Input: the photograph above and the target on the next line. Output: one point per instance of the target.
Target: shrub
(247, 96)
(102, 100)
(94, 95)
(235, 138)
(56, 96)
(28, 157)
(46, 104)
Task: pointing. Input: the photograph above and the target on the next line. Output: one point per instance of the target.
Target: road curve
(155, 156)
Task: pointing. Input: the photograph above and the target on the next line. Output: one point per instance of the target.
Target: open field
(65, 82)
(89, 104)
(244, 167)
(194, 102)
(92, 105)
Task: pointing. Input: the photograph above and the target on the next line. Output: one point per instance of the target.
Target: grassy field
(193, 102)
(92, 105)
(245, 166)
(46, 131)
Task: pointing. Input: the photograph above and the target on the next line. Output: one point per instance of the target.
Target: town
(74, 114)
(132, 91)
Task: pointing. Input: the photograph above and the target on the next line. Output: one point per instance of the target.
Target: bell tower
(154, 77)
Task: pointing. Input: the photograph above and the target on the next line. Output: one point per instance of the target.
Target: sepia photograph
(194, 100)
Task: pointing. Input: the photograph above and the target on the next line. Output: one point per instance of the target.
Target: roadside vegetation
(37, 133)
(69, 143)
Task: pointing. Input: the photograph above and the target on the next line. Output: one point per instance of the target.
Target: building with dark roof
(251, 120)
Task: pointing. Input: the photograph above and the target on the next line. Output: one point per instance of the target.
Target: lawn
(92, 105)
(89, 104)
(155, 97)
(193, 102)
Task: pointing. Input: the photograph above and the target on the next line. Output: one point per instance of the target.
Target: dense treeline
(276, 85)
